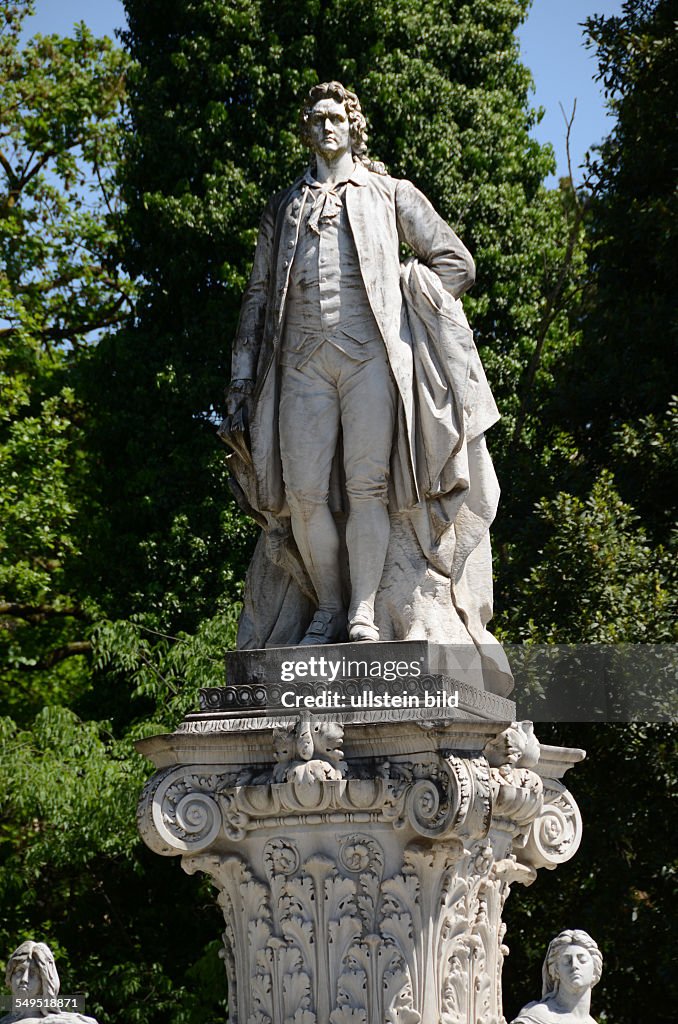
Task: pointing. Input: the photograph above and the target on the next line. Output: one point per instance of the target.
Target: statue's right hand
(238, 401)
(238, 395)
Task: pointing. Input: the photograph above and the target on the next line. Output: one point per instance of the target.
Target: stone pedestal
(362, 860)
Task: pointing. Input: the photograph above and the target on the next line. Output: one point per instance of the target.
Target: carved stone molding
(362, 891)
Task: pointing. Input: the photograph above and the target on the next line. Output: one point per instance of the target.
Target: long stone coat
(443, 493)
(382, 212)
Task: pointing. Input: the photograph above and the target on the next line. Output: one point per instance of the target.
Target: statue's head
(337, 94)
(31, 971)
(572, 959)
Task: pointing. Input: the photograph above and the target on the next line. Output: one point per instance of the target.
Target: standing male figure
(322, 352)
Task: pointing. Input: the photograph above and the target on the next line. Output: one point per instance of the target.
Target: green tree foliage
(600, 564)
(630, 325)
(74, 873)
(72, 870)
(598, 578)
(604, 438)
(60, 281)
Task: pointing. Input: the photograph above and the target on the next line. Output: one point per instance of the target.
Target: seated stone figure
(572, 966)
(32, 974)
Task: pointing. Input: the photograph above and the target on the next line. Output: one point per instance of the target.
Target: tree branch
(552, 307)
(551, 310)
(8, 169)
(69, 333)
(49, 284)
(569, 121)
(70, 650)
(35, 613)
(30, 173)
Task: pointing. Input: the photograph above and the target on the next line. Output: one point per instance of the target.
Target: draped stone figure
(357, 410)
(572, 966)
(33, 979)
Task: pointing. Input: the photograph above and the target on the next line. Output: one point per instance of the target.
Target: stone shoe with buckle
(362, 631)
(326, 628)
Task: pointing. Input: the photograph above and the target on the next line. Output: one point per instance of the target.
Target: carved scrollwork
(359, 852)
(145, 823)
(429, 811)
(178, 812)
(471, 793)
(333, 914)
(281, 857)
(555, 835)
(441, 798)
(237, 821)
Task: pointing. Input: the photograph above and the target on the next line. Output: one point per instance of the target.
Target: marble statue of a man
(573, 965)
(32, 978)
(348, 421)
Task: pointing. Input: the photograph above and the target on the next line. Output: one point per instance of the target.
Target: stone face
(32, 977)
(361, 869)
(357, 411)
(572, 966)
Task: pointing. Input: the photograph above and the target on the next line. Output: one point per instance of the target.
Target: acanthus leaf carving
(393, 916)
(419, 910)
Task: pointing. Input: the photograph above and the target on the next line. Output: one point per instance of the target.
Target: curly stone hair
(356, 120)
(569, 937)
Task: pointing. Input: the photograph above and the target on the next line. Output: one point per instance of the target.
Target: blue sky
(552, 45)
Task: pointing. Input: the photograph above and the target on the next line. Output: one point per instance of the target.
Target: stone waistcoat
(326, 300)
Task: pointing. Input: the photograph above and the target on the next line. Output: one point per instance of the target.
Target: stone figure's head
(573, 960)
(284, 745)
(333, 96)
(31, 971)
(335, 91)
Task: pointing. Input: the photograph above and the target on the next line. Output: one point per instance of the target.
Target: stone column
(361, 865)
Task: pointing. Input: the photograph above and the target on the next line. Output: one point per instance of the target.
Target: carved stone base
(361, 869)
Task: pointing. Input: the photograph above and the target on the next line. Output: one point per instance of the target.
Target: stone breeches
(330, 392)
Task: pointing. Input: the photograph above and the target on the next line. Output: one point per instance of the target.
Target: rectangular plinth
(354, 683)
(341, 663)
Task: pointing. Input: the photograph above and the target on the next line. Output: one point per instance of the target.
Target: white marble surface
(362, 881)
(375, 514)
(572, 966)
